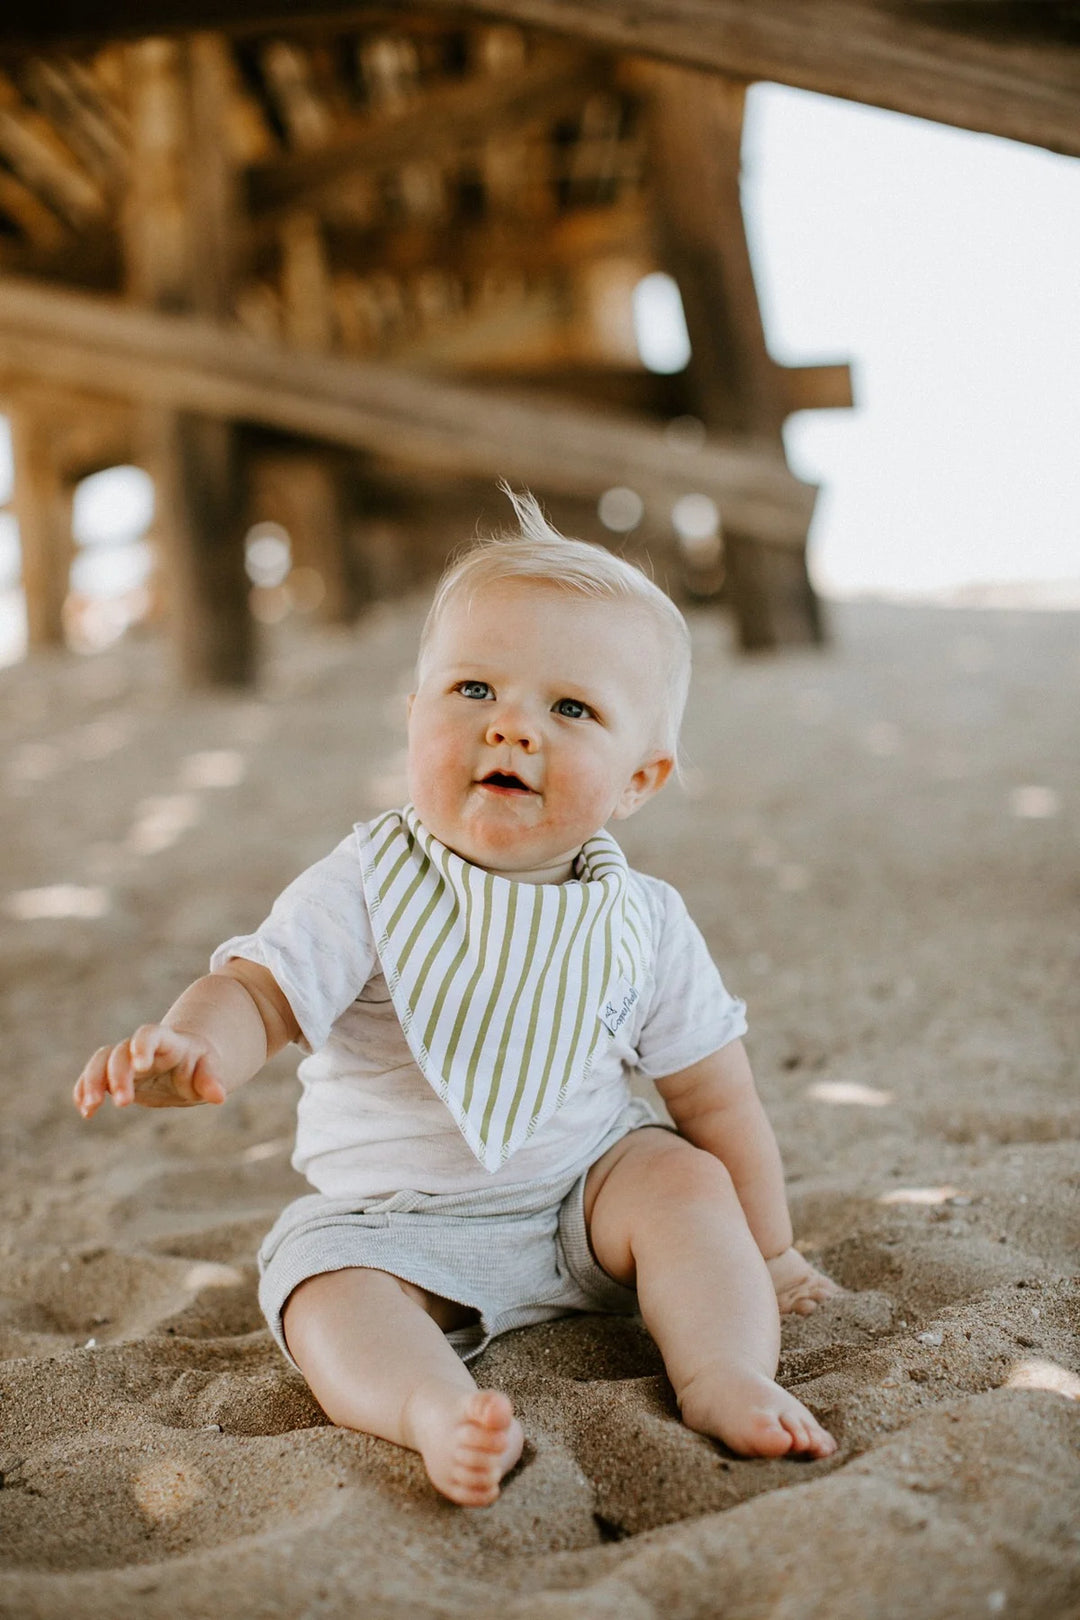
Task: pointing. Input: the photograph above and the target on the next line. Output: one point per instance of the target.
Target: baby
(474, 978)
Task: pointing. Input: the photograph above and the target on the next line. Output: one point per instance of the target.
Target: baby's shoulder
(660, 900)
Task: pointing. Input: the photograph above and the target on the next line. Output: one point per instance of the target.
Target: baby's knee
(682, 1173)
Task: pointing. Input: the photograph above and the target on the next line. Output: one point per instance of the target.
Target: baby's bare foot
(468, 1440)
(752, 1415)
(800, 1287)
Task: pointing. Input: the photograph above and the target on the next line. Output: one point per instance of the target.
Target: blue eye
(474, 689)
(572, 709)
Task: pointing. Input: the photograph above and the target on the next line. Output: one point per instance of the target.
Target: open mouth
(505, 782)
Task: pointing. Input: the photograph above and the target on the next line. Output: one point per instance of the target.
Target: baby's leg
(664, 1216)
(372, 1349)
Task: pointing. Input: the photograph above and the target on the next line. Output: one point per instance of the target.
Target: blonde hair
(539, 552)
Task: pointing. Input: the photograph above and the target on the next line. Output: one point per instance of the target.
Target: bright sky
(946, 267)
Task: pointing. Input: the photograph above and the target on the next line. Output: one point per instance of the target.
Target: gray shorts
(517, 1254)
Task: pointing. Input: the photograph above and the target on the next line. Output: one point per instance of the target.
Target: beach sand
(880, 843)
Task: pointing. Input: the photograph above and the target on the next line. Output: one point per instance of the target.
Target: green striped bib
(504, 990)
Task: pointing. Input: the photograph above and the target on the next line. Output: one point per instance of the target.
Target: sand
(880, 843)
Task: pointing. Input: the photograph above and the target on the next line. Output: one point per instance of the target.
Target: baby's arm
(215, 1037)
(715, 1105)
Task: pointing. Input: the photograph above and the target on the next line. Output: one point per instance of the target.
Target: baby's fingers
(120, 1075)
(205, 1085)
(92, 1085)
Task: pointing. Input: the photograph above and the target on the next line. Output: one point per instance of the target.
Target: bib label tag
(618, 1006)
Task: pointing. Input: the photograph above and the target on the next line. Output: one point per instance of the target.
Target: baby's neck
(560, 871)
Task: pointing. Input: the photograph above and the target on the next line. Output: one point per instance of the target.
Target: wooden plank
(302, 490)
(307, 300)
(181, 255)
(43, 231)
(1020, 79)
(817, 388)
(42, 499)
(32, 149)
(448, 117)
(199, 492)
(695, 127)
(475, 250)
(68, 96)
(186, 363)
(212, 195)
(1023, 83)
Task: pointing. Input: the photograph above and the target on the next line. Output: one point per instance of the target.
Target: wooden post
(42, 502)
(181, 255)
(202, 503)
(303, 491)
(733, 384)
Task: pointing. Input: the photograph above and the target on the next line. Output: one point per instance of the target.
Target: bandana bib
(503, 989)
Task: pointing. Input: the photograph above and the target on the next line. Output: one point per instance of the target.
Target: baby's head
(551, 681)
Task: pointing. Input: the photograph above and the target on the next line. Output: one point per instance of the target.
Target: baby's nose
(513, 726)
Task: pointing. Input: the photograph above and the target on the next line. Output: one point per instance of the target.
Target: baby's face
(533, 724)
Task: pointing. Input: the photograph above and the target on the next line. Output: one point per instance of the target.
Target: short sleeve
(691, 1013)
(317, 942)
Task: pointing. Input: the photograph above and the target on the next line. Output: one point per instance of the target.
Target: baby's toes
(808, 1438)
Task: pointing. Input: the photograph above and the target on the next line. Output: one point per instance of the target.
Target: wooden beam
(900, 54)
(42, 503)
(31, 147)
(301, 489)
(695, 127)
(39, 225)
(186, 363)
(958, 64)
(181, 255)
(70, 98)
(447, 117)
(817, 388)
(473, 251)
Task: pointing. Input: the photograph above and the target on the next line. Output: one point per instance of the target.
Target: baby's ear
(646, 780)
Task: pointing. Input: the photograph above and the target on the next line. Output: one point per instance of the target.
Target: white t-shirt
(369, 1124)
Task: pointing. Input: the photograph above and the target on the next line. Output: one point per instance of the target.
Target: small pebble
(91, 1344)
(930, 1338)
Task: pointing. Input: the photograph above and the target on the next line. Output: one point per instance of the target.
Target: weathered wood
(212, 195)
(181, 255)
(42, 503)
(448, 117)
(307, 295)
(475, 250)
(185, 363)
(1022, 82)
(695, 122)
(157, 245)
(31, 147)
(695, 127)
(955, 64)
(817, 388)
(39, 224)
(67, 95)
(302, 490)
(199, 491)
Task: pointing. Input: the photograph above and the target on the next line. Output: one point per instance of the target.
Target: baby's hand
(157, 1068)
(799, 1286)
